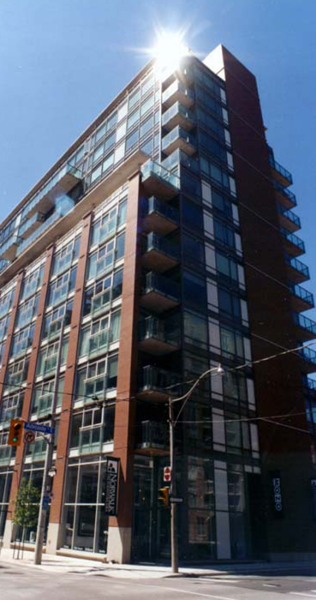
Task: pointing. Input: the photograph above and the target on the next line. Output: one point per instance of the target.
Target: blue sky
(62, 61)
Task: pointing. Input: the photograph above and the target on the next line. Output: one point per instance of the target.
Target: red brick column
(65, 420)
(19, 459)
(120, 527)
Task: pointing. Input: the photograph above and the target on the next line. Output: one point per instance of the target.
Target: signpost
(29, 437)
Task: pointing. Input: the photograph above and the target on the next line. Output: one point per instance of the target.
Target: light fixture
(220, 370)
(169, 51)
(52, 472)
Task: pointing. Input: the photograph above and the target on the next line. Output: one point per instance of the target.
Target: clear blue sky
(62, 61)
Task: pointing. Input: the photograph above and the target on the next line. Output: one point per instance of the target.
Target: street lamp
(172, 423)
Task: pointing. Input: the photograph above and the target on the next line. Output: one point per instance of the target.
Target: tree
(26, 506)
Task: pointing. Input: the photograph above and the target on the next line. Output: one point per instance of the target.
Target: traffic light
(16, 432)
(164, 496)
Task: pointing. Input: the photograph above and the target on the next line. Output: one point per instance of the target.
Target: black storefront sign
(276, 495)
(111, 486)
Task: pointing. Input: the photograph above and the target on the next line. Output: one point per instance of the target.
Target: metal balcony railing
(297, 265)
(156, 242)
(294, 239)
(290, 215)
(302, 293)
(305, 323)
(153, 205)
(167, 330)
(284, 172)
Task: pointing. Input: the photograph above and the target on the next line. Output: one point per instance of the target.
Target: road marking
(181, 591)
(269, 585)
(302, 594)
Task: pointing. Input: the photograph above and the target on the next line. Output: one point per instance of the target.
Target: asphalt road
(26, 583)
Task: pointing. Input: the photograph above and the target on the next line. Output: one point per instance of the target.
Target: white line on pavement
(182, 591)
(302, 594)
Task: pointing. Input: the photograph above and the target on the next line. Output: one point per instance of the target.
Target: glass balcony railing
(65, 179)
(281, 170)
(153, 205)
(8, 250)
(152, 434)
(290, 215)
(309, 383)
(309, 355)
(293, 239)
(305, 323)
(179, 157)
(178, 136)
(167, 331)
(162, 285)
(300, 292)
(156, 170)
(287, 194)
(99, 342)
(161, 244)
(297, 265)
(178, 91)
(63, 205)
(153, 378)
(176, 113)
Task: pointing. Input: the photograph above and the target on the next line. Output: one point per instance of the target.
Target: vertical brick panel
(65, 417)
(7, 349)
(127, 365)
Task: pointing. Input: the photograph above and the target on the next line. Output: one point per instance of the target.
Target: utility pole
(43, 506)
(172, 493)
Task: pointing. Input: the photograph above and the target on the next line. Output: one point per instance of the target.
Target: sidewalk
(65, 564)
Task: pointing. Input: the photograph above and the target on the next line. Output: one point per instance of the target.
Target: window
(147, 105)
(224, 234)
(6, 302)
(119, 153)
(146, 126)
(122, 111)
(48, 357)
(226, 266)
(195, 329)
(27, 311)
(96, 338)
(121, 131)
(229, 304)
(16, 374)
(133, 119)
(192, 214)
(22, 341)
(132, 140)
(98, 298)
(62, 286)
(11, 408)
(212, 146)
(92, 428)
(4, 324)
(32, 282)
(193, 250)
(133, 98)
(64, 257)
(147, 84)
(95, 379)
(231, 344)
(194, 290)
(102, 260)
(57, 319)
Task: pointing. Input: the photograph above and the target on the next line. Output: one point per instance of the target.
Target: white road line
(302, 594)
(182, 591)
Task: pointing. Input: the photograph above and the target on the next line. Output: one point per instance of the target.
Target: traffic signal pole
(173, 506)
(45, 490)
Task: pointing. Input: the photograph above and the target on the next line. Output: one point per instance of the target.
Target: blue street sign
(45, 503)
(40, 428)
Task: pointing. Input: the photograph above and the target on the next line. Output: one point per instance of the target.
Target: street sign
(29, 437)
(45, 502)
(38, 427)
(175, 500)
(167, 474)
(111, 486)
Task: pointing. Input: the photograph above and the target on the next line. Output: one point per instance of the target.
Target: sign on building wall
(111, 486)
(276, 493)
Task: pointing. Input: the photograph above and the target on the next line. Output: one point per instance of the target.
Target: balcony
(181, 158)
(309, 357)
(293, 244)
(282, 175)
(158, 336)
(179, 139)
(177, 92)
(152, 438)
(159, 216)
(298, 272)
(306, 326)
(159, 253)
(302, 299)
(30, 225)
(178, 115)
(157, 384)
(287, 198)
(157, 181)
(288, 219)
(310, 385)
(159, 293)
(61, 183)
(8, 250)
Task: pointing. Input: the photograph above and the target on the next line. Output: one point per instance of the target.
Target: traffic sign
(167, 474)
(29, 437)
(45, 502)
(38, 427)
(175, 500)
